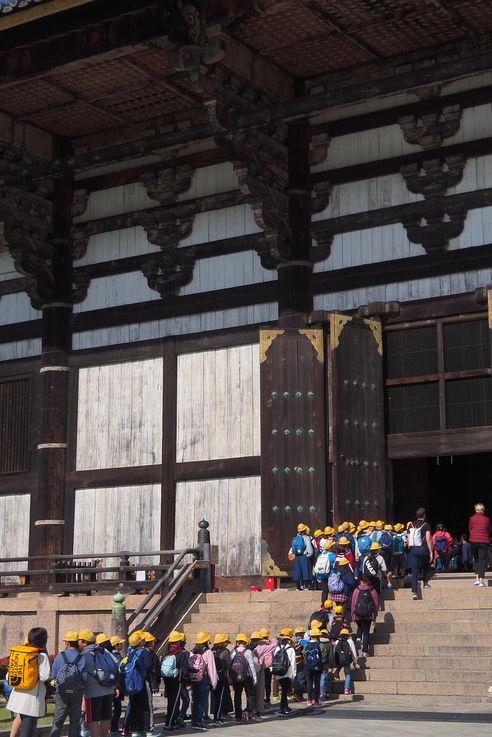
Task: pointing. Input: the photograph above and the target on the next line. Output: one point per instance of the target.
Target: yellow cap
(371, 524)
(135, 639)
(241, 637)
(299, 631)
(343, 562)
(345, 632)
(175, 636)
(351, 528)
(264, 632)
(287, 632)
(301, 527)
(102, 637)
(338, 609)
(256, 635)
(343, 541)
(375, 546)
(399, 527)
(328, 603)
(329, 544)
(314, 632)
(318, 533)
(221, 638)
(71, 636)
(324, 631)
(115, 640)
(87, 636)
(316, 623)
(308, 530)
(148, 637)
(363, 524)
(388, 528)
(342, 527)
(202, 638)
(329, 531)
(379, 524)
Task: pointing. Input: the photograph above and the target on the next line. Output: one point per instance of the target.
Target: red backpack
(196, 665)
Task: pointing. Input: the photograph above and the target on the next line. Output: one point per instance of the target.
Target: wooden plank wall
(14, 528)
(120, 415)
(118, 518)
(218, 404)
(232, 506)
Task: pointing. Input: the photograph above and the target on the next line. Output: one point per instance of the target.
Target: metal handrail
(157, 586)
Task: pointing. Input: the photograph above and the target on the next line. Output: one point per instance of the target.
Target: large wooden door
(293, 439)
(356, 418)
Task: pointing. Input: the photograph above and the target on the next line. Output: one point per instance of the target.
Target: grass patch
(5, 719)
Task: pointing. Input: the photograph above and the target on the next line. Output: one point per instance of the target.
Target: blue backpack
(335, 583)
(132, 680)
(105, 667)
(441, 544)
(69, 679)
(312, 658)
(398, 544)
(298, 546)
(364, 544)
(385, 540)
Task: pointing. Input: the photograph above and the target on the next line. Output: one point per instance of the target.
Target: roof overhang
(16, 12)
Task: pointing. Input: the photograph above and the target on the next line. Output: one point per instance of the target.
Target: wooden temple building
(245, 269)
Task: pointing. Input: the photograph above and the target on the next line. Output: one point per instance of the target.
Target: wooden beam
(461, 441)
(300, 107)
(222, 468)
(101, 478)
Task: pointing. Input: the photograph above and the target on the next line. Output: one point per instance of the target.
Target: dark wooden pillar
(295, 275)
(49, 507)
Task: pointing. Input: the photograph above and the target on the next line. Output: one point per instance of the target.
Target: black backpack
(364, 606)
(220, 665)
(280, 662)
(343, 653)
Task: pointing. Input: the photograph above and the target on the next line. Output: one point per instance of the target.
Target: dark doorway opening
(447, 487)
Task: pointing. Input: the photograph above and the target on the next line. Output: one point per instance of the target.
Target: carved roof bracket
(166, 185)
(430, 129)
(435, 176)
(441, 223)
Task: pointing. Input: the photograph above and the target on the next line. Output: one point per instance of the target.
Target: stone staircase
(436, 650)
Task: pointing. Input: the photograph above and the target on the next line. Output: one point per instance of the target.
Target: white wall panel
(117, 244)
(20, 349)
(188, 324)
(405, 291)
(117, 290)
(218, 404)
(17, 308)
(215, 225)
(119, 420)
(115, 201)
(209, 180)
(233, 509)
(476, 123)
(7, 268)
(118, 518)
(230, 270)
(14, 518)
(371, 145)
(368, 194)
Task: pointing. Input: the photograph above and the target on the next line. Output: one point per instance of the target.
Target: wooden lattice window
(15, 405)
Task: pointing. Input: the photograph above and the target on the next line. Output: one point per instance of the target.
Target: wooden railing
(87, 573)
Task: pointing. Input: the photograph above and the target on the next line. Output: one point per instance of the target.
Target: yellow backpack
(23, 667)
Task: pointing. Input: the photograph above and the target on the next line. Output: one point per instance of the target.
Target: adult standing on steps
(480, 531)
(420, 551)
(302, 552)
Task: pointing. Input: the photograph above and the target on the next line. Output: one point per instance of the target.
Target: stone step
(416, 638)
(445, 615)
(416, 688)
(459, 650)
(423, 700)
(437, 604)
(456, 665)
(278, 595)
(425, 674)
(454, 627)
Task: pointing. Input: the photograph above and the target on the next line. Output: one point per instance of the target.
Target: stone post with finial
(118, 615)
(204, 545)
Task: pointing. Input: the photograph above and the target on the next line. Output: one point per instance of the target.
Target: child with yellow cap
(345, 657)
(243, 677)
(174, 670)
(314, 667)
(222, 659)
(269, 645)
(302, 550)
(117, 652)
(203, 675)
(284, 667)
(69, 685)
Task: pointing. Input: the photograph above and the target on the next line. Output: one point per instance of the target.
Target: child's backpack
(298, 646)
(220, 666)
(280, 662)
(343, 653)
(169, 668)
(298, 545)
(415, 537)
(370, 567)
(105, 667)
(385, 540)
(23, 667)
(331, 660)
(364, 606)
(323, 564)
(398, 544)
(312, 658)
(441, 545)
(196, 665)
(335, 583)
(364, 543)
(69, 679)
(239, 669)
(132, 680)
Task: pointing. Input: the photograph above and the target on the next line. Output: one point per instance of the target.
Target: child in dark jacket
(364, 610)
